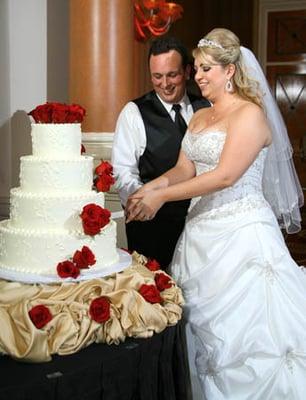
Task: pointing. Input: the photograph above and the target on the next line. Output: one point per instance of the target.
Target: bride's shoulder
(249, 118)
(247, 110)
(247, 107)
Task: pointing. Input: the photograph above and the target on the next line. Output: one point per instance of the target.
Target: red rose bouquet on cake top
(58, 113)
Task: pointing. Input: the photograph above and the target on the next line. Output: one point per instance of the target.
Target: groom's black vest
(163, 145)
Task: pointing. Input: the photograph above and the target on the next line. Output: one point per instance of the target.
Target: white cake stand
(125, 260)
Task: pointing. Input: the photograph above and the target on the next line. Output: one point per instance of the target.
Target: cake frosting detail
(50, 210)
(69, 175)
(62, 140)
(40, 250)
(56, 183)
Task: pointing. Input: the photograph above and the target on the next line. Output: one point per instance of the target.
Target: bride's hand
(143, 206)
(132, 200)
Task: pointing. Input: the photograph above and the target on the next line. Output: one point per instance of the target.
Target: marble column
(101, 59)
(103, 63)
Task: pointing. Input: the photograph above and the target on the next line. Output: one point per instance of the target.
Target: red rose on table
(153, 265)
(150, 293)
(84, 258)
(67, 269)
(104, 168)
(99, 309)
(103, 182)
(40, 315)
(162, 282)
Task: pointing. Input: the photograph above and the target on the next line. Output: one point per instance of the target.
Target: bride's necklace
(215, 115)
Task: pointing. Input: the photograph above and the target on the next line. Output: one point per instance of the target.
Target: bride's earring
(229, 86)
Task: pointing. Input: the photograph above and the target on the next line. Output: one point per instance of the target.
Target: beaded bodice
(204, 149)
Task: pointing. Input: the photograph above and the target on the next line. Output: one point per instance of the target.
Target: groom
(147, 142)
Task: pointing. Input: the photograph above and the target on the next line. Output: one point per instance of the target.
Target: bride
(245, 296)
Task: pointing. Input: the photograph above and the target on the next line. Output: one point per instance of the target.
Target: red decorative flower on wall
(154, 17)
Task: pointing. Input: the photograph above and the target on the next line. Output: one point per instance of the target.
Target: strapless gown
(245, 296)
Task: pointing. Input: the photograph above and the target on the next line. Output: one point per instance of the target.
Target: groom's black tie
(179, 120)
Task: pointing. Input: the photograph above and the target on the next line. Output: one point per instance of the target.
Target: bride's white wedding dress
(245, 296)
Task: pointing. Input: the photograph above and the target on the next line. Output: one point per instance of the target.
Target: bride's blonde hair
(224, 47)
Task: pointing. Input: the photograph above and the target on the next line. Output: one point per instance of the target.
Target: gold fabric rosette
(72, 327)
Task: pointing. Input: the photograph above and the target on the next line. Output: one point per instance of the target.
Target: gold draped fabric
(71, 327)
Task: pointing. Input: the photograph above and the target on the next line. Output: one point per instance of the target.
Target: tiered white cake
(45, 227)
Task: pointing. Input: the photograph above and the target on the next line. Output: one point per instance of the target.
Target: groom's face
(168, 76)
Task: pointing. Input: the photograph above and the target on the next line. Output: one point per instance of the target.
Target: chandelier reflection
(154, 17)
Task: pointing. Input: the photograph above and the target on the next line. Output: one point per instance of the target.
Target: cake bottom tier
(39, 252)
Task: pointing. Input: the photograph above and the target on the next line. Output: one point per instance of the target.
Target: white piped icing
(40, 175)
(51, 210)
(56, 141)
(39, 250)
(45, 227)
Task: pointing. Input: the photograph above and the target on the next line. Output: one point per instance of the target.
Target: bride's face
(210, 76)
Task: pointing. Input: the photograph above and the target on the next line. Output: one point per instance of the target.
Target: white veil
(281, 185)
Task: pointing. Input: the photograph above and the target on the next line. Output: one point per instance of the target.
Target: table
(138, 369)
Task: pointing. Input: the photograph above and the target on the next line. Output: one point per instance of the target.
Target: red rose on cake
(94, 218)
(84, 258)
(56, 113)
(103, 182)
(104, 177)
(81, 259)
(67, 269)
(76, 113)
(91, 226)
(104, 168)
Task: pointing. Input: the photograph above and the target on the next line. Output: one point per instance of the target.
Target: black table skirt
(139, 369)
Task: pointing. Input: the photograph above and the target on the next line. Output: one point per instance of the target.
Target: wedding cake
(55, 214)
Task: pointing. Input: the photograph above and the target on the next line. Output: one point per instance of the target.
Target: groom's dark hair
(163, 45)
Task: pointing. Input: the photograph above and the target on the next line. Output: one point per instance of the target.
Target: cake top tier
(56, 141)
(56, 133)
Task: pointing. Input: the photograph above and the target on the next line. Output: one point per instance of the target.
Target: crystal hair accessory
(209, 43)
